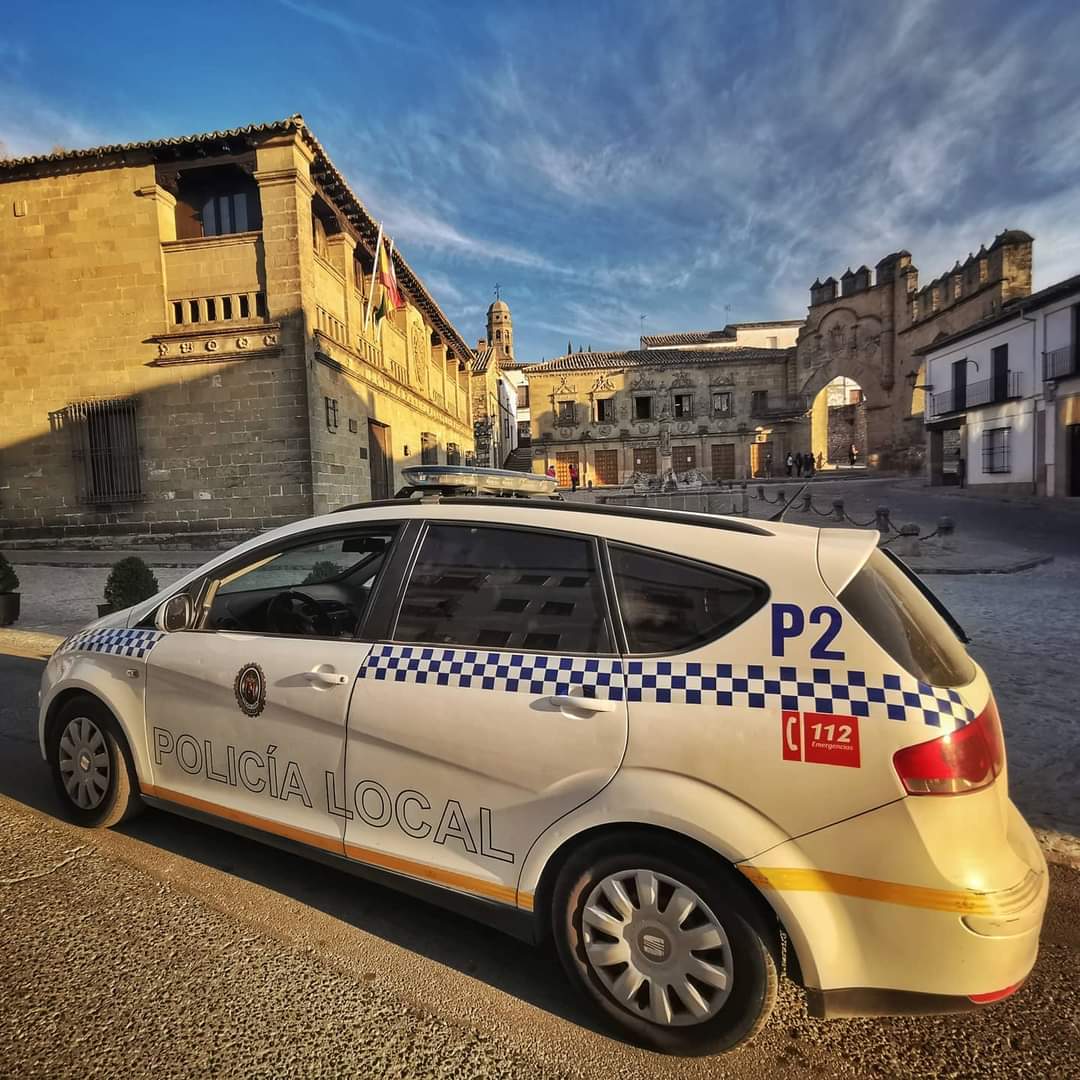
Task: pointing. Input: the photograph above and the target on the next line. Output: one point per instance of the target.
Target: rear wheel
(666, 943)
(91, 766)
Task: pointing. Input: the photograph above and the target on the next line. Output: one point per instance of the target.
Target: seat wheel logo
(654, 946)
(250, 687)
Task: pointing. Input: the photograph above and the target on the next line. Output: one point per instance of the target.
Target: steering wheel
(293, 612)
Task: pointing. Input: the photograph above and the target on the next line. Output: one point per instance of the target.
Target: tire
(91, 765)
(736, 952)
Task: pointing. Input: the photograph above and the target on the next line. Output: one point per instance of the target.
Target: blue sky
(697, 163)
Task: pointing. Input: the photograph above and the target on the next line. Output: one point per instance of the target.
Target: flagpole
(374, 278)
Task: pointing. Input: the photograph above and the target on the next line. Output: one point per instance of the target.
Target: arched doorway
(838, 423)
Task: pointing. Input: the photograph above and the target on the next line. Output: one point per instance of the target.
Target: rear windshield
(904, 623)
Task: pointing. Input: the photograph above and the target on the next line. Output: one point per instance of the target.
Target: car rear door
(493, 704)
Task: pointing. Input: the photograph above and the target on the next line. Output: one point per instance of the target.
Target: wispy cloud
(339, 20)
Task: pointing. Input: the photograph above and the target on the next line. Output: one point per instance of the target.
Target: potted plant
(130, 581)
(9, 595)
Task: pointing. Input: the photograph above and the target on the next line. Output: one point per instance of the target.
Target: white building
(1003, 397)
(522, 415)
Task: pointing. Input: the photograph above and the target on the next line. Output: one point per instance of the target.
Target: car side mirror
(175, 614)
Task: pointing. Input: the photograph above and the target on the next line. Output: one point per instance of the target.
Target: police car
(663, 743)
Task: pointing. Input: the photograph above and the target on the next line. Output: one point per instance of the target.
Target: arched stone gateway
(867, 326)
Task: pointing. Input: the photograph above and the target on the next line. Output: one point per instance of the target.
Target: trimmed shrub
(9, 580)
(130, 581)
(322, 571)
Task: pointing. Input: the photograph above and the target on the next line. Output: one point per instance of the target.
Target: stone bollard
(946, 529)
(761, 492)
(838, 509)
(881, 520)
(807, 503)
(908, 544)
(781, 496)
(744, 500)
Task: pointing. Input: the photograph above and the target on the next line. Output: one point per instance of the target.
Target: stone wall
(672, 439)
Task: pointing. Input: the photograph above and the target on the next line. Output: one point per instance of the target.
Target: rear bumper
(882, 945)
(873, 1001)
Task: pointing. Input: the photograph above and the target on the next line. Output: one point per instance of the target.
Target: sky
(693, 163)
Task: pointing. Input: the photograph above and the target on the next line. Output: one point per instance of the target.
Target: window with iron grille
(995, 449)
(453, 454)
(605, 410)
(105, 448)
(721, 403)
(429, 448)
(566, 412)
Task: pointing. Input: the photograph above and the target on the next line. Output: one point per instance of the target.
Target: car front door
(245, 713)
(493, 706)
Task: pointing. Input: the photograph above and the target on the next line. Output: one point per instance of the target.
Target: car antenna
(779, 515)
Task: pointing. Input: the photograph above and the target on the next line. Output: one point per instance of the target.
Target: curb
(1014, 568)
(28, 644)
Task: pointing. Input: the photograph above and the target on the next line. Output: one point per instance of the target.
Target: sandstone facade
(724, 413)
(202, 388)
(869, 326)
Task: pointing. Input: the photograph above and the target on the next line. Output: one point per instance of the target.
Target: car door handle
(326, 677)
(588, 704)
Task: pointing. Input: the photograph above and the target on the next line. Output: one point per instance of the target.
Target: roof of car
(675, 517)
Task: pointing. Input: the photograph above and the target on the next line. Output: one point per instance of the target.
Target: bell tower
(500, 330)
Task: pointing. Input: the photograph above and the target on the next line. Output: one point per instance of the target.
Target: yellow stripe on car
(960, 901)
(491, 890)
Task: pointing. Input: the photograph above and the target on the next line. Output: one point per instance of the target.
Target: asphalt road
(169, 948)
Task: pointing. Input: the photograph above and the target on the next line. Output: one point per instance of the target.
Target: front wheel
(90, 765)
(665, 942)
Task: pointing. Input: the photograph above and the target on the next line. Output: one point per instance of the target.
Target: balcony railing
(230, 307)
(1004, 387)
(1061, 363)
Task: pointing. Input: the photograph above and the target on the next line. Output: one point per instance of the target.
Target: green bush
(322, 571)
(9, 580)
(130, 581)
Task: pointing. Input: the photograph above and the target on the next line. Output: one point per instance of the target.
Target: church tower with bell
(500, 330)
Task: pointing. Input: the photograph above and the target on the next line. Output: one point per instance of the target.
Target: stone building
(183, 349)
(721, 413)
(870, 325)
(492, 391)
(760, 335)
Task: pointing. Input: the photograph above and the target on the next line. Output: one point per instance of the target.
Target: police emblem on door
(250, 688)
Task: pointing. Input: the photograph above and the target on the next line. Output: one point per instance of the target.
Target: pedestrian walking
(820, 461)
(808, 464)
(789, 462)
(853, 454)
(798, 463)
(573, 477)
(550, 472)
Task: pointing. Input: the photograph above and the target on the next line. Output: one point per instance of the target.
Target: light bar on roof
(499, 481)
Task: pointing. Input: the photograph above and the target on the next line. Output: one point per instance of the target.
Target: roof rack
(455, 480)
(645, 513)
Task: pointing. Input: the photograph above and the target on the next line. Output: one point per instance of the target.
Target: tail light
(970, 758)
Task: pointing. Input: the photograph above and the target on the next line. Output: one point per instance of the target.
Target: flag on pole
(391, 298)
(374, 278)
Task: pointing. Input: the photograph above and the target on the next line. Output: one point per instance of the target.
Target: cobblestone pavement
(61, 599)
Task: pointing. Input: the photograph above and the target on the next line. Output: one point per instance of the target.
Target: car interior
(318, 590)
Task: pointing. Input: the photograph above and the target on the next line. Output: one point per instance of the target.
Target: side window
(669, 605)
(318, 589)
(505, 588)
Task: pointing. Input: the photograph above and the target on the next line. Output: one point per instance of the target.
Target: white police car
(661, 741)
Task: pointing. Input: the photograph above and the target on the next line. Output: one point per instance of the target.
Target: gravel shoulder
(123, 959)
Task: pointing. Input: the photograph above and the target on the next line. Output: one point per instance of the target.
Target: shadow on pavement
(531, 974)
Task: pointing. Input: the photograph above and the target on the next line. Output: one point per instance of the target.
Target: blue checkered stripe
(521, 673)
(839, 692)
(115, 642)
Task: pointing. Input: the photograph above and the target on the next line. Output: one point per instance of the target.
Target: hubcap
(657, 947)
(84, 763)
